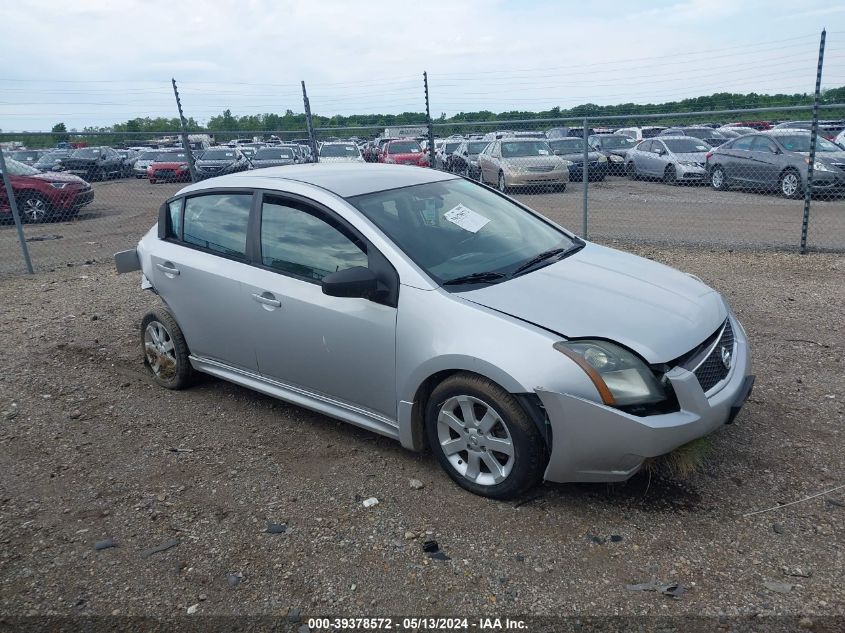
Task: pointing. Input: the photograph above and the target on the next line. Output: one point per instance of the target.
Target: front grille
(540, 168)
(713, 370)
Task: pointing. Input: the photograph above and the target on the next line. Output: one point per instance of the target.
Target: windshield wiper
(475, 278)
(560, 253)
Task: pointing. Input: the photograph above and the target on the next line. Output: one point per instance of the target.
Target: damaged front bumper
(594, 442)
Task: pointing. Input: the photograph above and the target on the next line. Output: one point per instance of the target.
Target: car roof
(343, 179)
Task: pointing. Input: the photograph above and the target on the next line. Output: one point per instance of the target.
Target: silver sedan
(441, 313)
(675, 159)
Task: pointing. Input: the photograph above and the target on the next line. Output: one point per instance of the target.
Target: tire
(165, 350)
(33, 207)
(718, 178)
(470, 462)
(631, 171)
(670, 176)
(102, 174)
(152, 181)
(502, 184)
(789, 184)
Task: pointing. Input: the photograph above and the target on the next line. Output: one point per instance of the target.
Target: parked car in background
(276, 156)
(827, 129)
(144, 160)
(52, 160)
(754, 125)
(129, 158)
(572, 150)
(712, 137)
(639, 133)
(339, 152)
(615, 147)
(675, 159)
(403, 152)
(840, 139)
(370, 151)
(27, 156)
(217, 161)
(169, 167)
(43, 196)
(464, 160)
(94, 163)
(735, 131)
(511, 163)
(777, 159)
(566, 132)
(442, 153)
(440, 314)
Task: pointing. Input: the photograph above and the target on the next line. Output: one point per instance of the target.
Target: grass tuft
(684, 462)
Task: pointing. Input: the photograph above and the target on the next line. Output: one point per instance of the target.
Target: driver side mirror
(356, 282)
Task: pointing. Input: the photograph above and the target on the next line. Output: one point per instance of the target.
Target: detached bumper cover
(594, 442)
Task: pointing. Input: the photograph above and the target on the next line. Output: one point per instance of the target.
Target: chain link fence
(767, 178)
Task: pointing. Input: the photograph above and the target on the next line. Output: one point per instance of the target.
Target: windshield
(704, 133)
(568, 145)
(477, 147)
(801, 143)
(219, 154)
(686, 145)
(616, 141)
(514, 149)
(148, 155)
(454, 228)
(404, 147)
(350, 151)
(53, 156)
(28, 156)
(448, 148)
(86, 152)
(274, 154)
(171, 157)
(19, 169)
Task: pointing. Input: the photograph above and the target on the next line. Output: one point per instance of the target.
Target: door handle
(168, 268)
(267, 301)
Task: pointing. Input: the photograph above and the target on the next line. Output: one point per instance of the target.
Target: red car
(403, 152)
(169, 167)
(43, 196)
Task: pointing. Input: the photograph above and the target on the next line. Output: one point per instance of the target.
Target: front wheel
(483, 438)
(790, 184)
(718, 180)
(670, 177)
(503, 186)
(631, 170)
(165, 350)
(33, 208)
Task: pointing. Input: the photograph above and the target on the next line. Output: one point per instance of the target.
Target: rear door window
(218, 223)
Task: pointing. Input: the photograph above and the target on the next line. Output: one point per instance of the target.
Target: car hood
(657, 311)
(56, 176)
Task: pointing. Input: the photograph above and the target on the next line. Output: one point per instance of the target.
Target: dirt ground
(644, 212)
(91, 449)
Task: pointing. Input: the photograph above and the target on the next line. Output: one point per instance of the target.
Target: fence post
(13, 205)
(309, 124)
(585, 179)
(428, 122)
(186, 145)
(814, 133)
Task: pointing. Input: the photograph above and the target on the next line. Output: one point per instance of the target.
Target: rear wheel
(33, 208)
(718, 179)
(165, 350)
(790, 184)
(483, 437)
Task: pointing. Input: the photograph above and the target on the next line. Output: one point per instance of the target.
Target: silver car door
(343, 348)
(657, 160)
(197, 270)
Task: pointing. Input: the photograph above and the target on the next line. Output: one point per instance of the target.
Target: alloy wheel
(789, 184)
(475, 440)
(34, 209)
(160, 350)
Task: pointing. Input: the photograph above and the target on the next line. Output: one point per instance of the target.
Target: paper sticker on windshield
(467, 219)
(543, 152)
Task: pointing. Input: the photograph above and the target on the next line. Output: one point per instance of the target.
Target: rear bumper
(594, 442)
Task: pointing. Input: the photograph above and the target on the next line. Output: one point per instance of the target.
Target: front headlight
(620, 377)
(602, 158)
(819, 166)
(688, 163)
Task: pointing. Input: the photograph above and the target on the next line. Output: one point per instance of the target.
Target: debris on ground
(369, 503)
(674, 590)
(193, 608)
(416, 484)
(294, 615)
(105, 544)
(777, 586)
(432, 548)
(234, 579)
(276, 528)
(160, 548)
(797, 572)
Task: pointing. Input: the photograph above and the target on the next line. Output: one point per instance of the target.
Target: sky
(97, 62)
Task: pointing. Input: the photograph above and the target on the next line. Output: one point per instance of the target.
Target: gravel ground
(88, 451)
